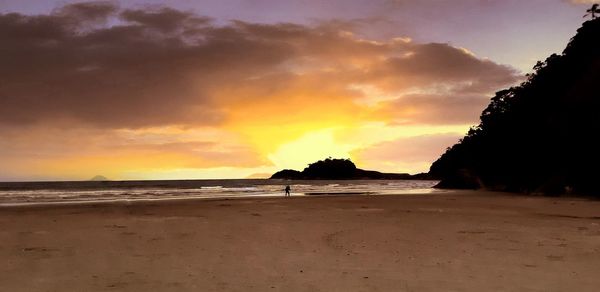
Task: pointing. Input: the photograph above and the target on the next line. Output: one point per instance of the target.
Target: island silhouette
(99, 178)
(341, 169)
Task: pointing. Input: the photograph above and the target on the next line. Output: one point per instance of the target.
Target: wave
(31, 193)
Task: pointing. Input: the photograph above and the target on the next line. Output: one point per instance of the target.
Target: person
(287, 191)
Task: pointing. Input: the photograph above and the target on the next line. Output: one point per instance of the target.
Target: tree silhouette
(540, 136)
(592, 11)
(343, 169)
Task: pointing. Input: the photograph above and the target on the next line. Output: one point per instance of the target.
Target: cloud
(445, 109)
(85, 14)
(97, 64)
(438, 84)
(92, 87)
(81, 153)
(406, 154)
(582, 1)
(430, 64)
(164, 19)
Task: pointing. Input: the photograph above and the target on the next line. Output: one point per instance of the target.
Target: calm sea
(23, 193)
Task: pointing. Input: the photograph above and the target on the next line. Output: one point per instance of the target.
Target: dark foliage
(341, 169)
(593, 12)
(331, 169)
(287, 174)
(540, 136)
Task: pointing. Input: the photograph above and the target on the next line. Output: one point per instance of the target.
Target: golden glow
(143, 154)
(199, 173)
(282, 99)
(310, 147)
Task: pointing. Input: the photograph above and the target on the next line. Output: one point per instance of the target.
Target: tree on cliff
(592, 11)
(540, 135)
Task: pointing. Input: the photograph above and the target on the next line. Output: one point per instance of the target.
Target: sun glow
(309, 148)
(213, 99)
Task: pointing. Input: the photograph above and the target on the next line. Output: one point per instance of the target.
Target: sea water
(26, 193)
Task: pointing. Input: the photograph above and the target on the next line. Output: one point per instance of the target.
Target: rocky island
(341, 169)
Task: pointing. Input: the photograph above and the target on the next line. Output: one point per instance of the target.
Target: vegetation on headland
(540, 136)
(340, 169)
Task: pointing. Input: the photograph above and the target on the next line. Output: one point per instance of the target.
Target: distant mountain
(258, 176)
(340, 169)
(540, 136)
(99, 178)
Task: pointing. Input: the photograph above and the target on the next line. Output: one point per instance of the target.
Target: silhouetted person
(287, 191)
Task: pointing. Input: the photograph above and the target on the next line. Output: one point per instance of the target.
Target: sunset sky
(239, 88)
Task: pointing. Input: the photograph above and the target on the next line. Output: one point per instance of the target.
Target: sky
(239, 88)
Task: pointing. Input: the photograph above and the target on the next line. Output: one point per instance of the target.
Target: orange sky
(158, 93)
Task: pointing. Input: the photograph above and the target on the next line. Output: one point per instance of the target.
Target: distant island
(341, 169)
(99, 178)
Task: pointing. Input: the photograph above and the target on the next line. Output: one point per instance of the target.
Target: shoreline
(195, 200)
(460, 241)
(225, 197)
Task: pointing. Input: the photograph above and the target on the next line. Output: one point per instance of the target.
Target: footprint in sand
(117, 285)
(472, 232)
(366, 209)
(115, 226)
(555, 258)
(183, 235)
(38, 249)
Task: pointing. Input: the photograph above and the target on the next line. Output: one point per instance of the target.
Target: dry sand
(461, 241)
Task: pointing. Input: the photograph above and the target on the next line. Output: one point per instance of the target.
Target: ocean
(31, 193)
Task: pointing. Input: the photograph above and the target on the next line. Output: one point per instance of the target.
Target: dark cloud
(440, 84)
(96, 64)
(87, 11)
(117, 76)
(165, 19)
(429, 64)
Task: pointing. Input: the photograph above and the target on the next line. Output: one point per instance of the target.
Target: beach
(455, 241)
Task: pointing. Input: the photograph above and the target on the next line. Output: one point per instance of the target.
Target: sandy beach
(459, 241)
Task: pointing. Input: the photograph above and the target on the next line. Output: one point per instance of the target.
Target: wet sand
(460, 241)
